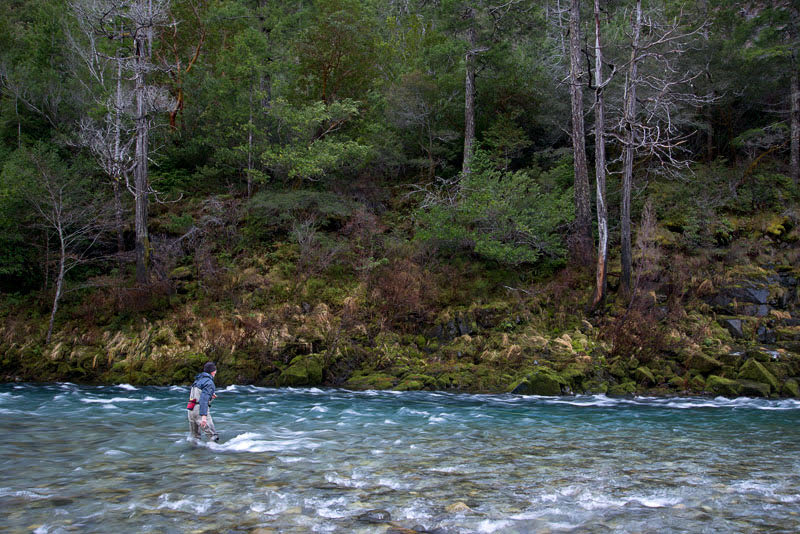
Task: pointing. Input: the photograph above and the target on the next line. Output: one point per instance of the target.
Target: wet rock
(457, 508)
(375, 516)
(734, 326)
(757, 372)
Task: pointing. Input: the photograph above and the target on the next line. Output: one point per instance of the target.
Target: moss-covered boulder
(367, 380)
(749, 388)
(645, 376)
(723, 386)
(791, 388)
(543, 381)
(621, 390)
(409, 385)
(757, 372)
(304, 370)
(703, 363)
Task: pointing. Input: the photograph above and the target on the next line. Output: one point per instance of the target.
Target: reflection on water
(117, 459)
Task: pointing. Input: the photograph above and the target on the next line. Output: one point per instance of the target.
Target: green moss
(645, 376)
(371, 381)
(723, 386)
(790, 388)
(756, 371)
(703, 363)
(304, 370)
(749, 388)
(543, 381)
(621, 390)
(409, 385)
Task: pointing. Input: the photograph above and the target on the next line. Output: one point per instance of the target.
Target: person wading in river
(200, 396)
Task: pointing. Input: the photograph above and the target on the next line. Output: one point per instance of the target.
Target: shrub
(502, 216)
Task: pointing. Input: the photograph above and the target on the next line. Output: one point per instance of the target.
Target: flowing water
(117, 459)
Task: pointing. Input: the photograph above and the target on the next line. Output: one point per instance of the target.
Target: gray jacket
(205, 388)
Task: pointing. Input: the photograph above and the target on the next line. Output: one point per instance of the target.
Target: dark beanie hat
(209, 367)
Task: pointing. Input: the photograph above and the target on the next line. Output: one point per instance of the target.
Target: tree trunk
(141, 44)
(583, 215)
(600, 163)
(794, 159)
(118, 215)
(59, 286)
(118, 161)
(469, 97)
(627, 165)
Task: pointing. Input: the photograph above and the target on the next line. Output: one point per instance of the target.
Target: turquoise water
(117, 459)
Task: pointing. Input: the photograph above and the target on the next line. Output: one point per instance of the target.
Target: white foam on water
(253, 442)
(25, 494)
(493, 525)
(319, 408)
(112, 400)
(410, 411)
(115, 453)
(127, 387)
(291, 459)
(191, 505)
(657, 502)
(335, 478)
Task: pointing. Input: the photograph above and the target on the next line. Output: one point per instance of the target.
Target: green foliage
(502, 216)
(307, 149)
(271, 213)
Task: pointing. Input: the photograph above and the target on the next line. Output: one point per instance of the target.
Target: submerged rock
(375, 516)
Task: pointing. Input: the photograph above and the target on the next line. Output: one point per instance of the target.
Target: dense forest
(545, 197)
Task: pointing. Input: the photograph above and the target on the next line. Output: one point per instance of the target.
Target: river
(118, 459)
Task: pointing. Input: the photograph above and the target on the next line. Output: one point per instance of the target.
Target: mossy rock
(543, 381)
(677, 382)
(758, 372)
(645, 376)
(723, 386)
(622, 390)
(409, 385)
(425, 380)
(758, 355)
(697, 383)
(371, 381)
(304, 370)
(595, 387)
(749, 388)
(791, 388)
(703, 363)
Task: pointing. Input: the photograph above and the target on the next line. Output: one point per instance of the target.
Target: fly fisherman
(200, 396)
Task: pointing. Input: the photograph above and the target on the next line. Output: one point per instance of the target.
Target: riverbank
(360, 303)
(728, 329)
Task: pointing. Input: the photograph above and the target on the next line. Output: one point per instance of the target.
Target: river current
(118, 459)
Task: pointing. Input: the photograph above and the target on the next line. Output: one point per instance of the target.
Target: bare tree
(600, 159)
(66, 212)
(655, 91)
(130, 25)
